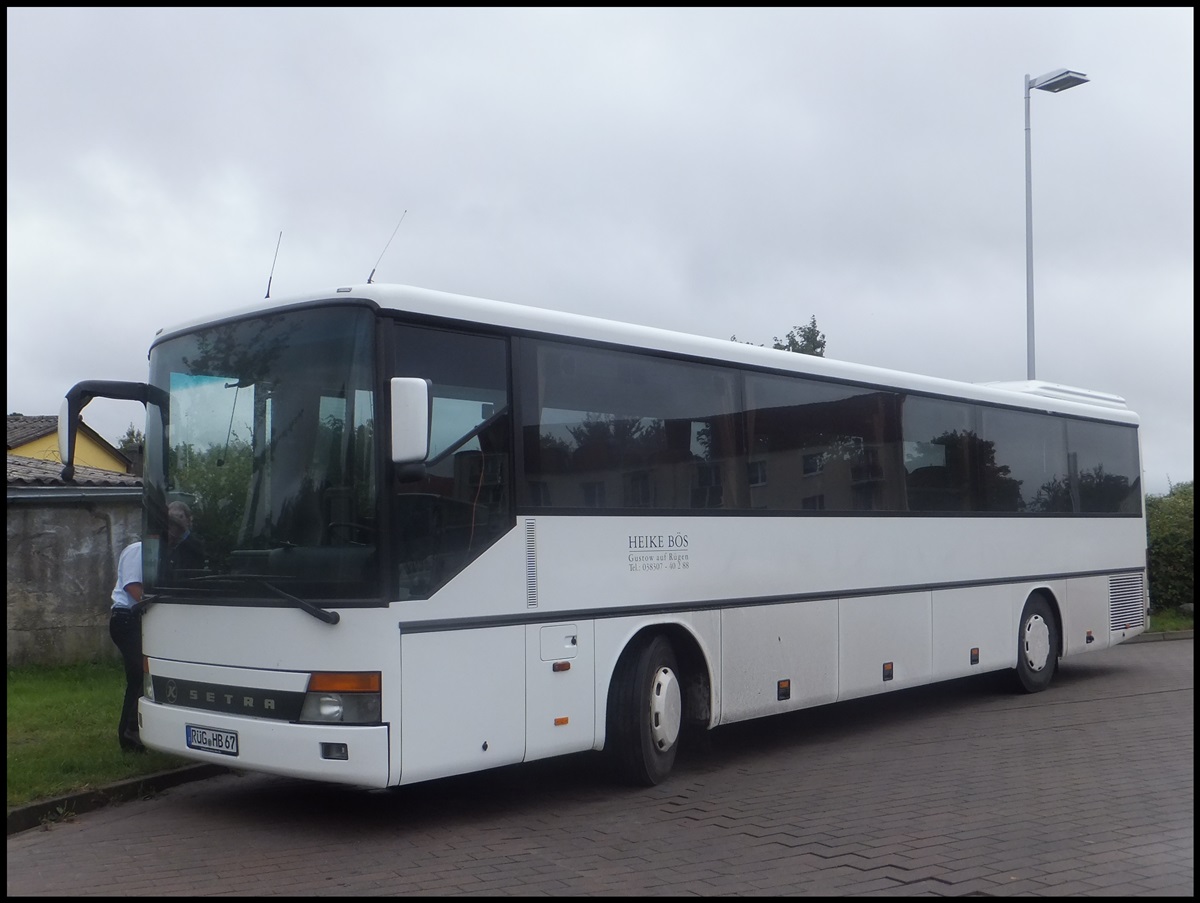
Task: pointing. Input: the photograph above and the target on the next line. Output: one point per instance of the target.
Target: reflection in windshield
(270, 441)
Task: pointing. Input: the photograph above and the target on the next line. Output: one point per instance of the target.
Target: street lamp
(1058, 80)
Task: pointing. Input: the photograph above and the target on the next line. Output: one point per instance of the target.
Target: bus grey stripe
(636, 611)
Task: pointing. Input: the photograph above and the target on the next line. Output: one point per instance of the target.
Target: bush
(1171, 528)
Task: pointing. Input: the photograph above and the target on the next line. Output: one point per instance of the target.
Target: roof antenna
(276, 257)
(385, 247)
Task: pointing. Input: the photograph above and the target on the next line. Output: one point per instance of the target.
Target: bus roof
(1035, 395)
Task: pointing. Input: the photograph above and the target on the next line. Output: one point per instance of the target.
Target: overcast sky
(716, 171)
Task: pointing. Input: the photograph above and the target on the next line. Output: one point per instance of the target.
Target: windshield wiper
(321, 614)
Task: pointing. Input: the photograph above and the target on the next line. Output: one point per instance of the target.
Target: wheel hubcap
(666, 709)
(1037, 643)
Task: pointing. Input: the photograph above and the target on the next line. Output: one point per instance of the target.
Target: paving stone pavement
(960, 789)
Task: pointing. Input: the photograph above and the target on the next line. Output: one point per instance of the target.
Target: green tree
(1171, 526)
(132, 442)
(803, 340)
(133, 446)
(800, 339)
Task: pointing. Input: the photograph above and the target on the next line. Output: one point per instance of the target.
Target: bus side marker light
(1090, 638)
(887, 670)
(975, 655)
(560, 666)
(559, 722)
(783, 690)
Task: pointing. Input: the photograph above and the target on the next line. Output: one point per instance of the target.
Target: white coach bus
(444, 534)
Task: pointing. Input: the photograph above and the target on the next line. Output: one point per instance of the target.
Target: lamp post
(1058, 80)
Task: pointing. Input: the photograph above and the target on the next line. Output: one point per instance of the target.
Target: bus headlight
(329, 708)
(342, 698)
(147, 680)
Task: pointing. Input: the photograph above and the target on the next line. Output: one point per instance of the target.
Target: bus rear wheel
(646, 713)
(1037, 645)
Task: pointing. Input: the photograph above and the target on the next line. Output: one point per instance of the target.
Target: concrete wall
(62, 561)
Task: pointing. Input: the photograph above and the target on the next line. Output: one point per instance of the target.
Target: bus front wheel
(1037, 645)
(646, 713)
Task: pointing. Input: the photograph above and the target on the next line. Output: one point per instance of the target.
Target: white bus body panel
(252, 637)
(765, 644)
(560, 704)
(463, 703)
(976, 617)
(1086, 606)
(874, 630)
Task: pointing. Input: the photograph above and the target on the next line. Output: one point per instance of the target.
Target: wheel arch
(694, 666)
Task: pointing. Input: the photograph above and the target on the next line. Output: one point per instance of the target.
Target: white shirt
(129, 570)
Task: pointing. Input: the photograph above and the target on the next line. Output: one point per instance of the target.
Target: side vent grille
(531, 600)
(1126, 601)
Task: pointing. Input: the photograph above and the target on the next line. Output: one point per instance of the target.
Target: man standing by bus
(125, 628)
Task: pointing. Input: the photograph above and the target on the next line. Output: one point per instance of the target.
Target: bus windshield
(262, 475)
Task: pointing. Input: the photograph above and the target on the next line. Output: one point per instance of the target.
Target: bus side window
(462, 503)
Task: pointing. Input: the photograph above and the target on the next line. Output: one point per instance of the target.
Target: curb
(64, 808)
(1154, 637)
(67, 807)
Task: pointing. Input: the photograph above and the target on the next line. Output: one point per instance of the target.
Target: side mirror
(66, 443)
(79, 396)
(412, 413)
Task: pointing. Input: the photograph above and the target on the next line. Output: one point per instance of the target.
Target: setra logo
(251, 701)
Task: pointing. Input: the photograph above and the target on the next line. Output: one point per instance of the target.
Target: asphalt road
(961, 789)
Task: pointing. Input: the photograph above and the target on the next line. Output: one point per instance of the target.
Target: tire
(645, 713)
(1037, 646)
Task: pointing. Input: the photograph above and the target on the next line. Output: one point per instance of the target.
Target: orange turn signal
(344, 682)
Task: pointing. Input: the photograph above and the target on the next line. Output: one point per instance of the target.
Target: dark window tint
(821, 441)
(1104, 467)
(462, 502)
(1021, 457)
(609, 429)
(939, 448)
(615, 429)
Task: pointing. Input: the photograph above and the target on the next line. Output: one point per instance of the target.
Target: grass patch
(62, 732)
(1169, 621)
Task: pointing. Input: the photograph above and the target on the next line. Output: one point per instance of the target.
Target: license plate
(210, 739)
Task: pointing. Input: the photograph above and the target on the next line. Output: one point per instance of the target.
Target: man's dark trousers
(125, 628)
